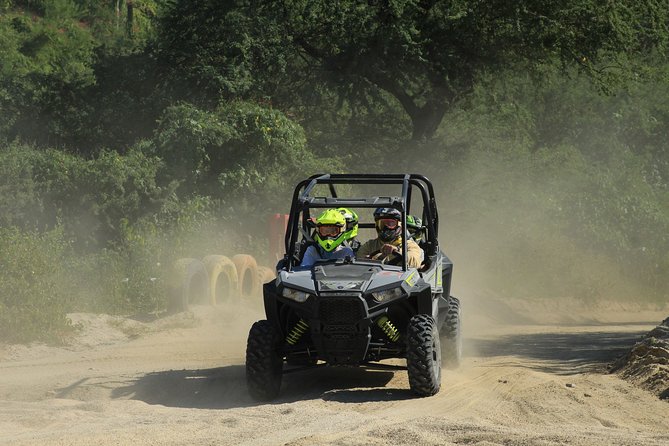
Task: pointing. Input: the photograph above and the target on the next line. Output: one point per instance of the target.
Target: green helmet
(330, 229)
(414, 226)
(351, 223)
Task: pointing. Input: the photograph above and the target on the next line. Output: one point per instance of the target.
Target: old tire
(423, 355)
(188, 284)
(264, 365)
(451, 336)
(247, 275)
(223, 278)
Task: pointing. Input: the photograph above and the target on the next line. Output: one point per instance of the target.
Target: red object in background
(277, 235)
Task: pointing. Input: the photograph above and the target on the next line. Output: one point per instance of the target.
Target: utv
(357, 312)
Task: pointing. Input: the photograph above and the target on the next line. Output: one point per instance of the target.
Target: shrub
(552, 224)
(242, 153)
(133, 274)
(35, 288)
(90, 198)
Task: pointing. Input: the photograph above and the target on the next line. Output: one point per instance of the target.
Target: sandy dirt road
(521, 383)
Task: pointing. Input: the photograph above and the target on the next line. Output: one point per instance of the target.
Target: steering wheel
(396, 256)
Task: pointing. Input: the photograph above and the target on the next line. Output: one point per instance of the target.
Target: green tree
(425, 54)
(240, 152)
(72, 76)
(40, 189)
(46, 61)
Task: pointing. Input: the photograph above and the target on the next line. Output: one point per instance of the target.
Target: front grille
(341, 310)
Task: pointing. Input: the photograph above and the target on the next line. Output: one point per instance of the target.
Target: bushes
(43, 278)
(239, 146)
(133, 274)
(120, 281)
(243, 154)
(47, 62)
(123, 216)
(61, 74)
(549, 215)
(40, 189)
(35, 296)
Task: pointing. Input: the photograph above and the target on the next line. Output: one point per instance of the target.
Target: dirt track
(521, 384)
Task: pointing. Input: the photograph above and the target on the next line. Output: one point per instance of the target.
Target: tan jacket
(414, 257)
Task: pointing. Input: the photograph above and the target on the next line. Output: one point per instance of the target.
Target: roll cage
(303, 201)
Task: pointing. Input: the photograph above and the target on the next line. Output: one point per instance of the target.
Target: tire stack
(188, 284)
(214, 280)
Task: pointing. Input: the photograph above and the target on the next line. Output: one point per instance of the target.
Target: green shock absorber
(296, 333)
(388, 328)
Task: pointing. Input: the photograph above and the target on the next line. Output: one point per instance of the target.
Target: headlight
(296, 295)
(385, 295)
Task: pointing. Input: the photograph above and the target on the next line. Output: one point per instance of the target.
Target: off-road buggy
(357, 312)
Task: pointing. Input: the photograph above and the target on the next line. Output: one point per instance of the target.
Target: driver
(330, 235)
(389, 241)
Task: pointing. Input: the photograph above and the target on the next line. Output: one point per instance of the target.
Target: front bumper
(341, 324)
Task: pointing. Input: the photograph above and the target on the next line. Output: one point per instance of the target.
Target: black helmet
(387, 223)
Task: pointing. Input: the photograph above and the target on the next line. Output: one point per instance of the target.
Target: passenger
(389, 241)
(351, 228)
(330, 236)
(415, 228)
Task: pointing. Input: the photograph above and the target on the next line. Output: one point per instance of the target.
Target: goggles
(389, 223)
(329, 230)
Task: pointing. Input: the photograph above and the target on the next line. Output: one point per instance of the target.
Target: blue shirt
(312, 254)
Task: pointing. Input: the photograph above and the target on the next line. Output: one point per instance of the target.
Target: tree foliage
(559, 182)
(55, 65)
(45, 62)
(41, 189)
(240, 152)
(425, 54)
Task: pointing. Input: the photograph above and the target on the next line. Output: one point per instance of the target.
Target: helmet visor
(329, 230)
(389, 223)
